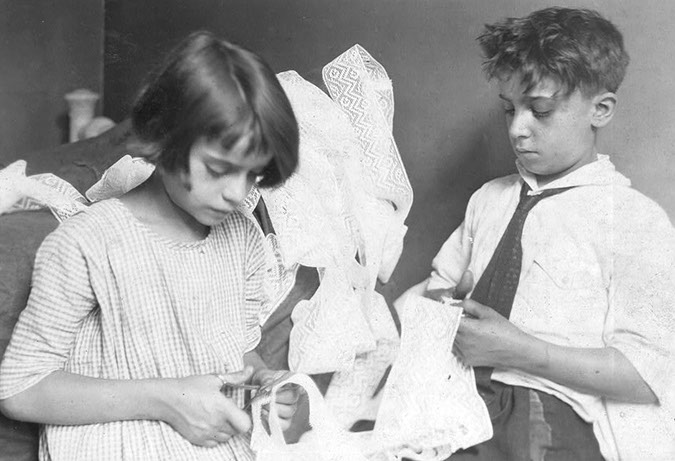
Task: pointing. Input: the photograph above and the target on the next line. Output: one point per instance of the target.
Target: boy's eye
(541, 109)
(509, 110)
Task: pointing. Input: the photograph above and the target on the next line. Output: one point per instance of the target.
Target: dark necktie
(498, 284)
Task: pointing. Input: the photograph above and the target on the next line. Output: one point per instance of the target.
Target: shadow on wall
(63, 124)
(446, 193)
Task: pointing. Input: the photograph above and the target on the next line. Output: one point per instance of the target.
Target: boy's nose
(519, 128)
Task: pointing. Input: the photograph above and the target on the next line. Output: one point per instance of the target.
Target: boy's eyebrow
(553, 97)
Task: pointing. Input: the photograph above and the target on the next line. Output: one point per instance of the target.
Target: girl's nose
(236, 189)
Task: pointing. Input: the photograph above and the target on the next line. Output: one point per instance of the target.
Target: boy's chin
(542, 173)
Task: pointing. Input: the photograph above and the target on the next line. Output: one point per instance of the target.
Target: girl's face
(217, 182)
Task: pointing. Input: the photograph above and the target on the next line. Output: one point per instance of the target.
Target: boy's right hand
(195, 408)
(460, 291)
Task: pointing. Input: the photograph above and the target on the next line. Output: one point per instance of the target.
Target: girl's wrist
(156, 399)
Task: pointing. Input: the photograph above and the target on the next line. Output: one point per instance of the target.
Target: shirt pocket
(569, 267)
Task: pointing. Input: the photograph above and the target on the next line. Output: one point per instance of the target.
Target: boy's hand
(195, 408)
(286, 397)
(460, 291)
(486, 338)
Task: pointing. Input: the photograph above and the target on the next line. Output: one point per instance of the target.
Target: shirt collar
(601, 172)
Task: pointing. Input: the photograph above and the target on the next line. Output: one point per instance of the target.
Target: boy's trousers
(530, 425)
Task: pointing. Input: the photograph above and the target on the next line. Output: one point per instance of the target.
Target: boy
(570, 324)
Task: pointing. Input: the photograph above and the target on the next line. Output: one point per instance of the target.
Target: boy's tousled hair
(208, 88)
(577, 48)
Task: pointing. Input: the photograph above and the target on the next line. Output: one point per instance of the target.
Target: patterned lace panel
(361, 86)
(40, 191)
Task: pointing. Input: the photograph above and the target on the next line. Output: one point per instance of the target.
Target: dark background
(448, 124)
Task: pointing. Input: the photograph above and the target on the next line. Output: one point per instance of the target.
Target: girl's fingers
(237, 419)
(222, 437)
(227, 429)
(287, 396)
(285, 411)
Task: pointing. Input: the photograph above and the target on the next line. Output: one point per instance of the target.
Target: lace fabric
(343, 212)
(429, 407)
(37, 192)
(430, 399)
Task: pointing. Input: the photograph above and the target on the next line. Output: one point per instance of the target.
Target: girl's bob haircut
(208, 88)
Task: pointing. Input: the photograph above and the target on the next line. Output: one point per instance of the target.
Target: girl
(143, 307)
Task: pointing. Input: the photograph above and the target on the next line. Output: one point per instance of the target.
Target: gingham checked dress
(112, 299)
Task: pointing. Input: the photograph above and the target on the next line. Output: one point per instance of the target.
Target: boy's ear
(604, 105)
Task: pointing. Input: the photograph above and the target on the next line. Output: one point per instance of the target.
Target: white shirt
(597, 271)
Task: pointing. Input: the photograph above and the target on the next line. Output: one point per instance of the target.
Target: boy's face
(551, 133)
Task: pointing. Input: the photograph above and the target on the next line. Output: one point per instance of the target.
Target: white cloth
(111, 299)
(343, 212)
(598, 270)
(430, 399)
(122, 176)
(327, 441)
(20, 192)
(430, 402)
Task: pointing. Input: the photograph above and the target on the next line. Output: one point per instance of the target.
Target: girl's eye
(509, 111)
(217, 172)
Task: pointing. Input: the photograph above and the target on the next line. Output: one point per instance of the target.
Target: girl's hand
(486, 338)
(286, 397)
(195, 408)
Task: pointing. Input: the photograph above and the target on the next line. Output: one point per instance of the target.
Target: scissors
(259, 391)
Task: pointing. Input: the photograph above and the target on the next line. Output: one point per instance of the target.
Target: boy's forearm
(69, 399)
(598, 371)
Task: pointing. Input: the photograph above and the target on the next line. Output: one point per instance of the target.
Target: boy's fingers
(439, 293)
(464, 286)
(473, 308)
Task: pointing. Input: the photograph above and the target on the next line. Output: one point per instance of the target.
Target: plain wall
(47, 49)
(448, 123)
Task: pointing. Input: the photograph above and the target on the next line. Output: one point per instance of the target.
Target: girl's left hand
(486, 338)
(286, 398)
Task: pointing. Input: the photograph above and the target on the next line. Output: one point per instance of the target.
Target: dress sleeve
(257, 301)
(641, 320)
(61, 297)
